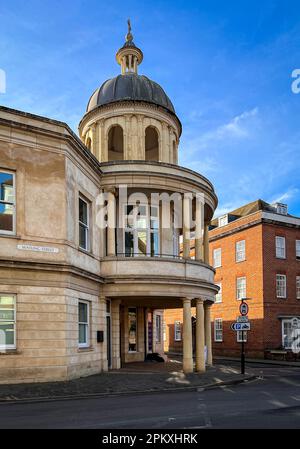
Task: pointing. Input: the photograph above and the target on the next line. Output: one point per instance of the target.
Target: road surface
(268, 403)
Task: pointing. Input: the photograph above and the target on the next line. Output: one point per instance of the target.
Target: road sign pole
(243, 355)
(243, 349)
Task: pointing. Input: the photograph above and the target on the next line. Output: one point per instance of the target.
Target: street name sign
(241, 327)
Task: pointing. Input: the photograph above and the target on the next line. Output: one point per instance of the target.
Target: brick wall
(251, 268)
(273, 306)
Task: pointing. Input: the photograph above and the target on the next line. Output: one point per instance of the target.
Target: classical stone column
(128, 138)
(206, 244)
(165, 140)
(200, 338)
(199, 229)
(141, 138)
(115, 334)
(187, 337)
(94, 139)
(186, 227)
(103, 149)
(207, 320)
(111, 224)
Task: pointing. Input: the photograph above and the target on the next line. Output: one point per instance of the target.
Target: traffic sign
(244, 309)
(240, 327)
(242, 319)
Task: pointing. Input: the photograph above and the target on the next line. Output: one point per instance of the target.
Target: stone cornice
(235, 230)
(68, 136)
(114, 106)
(49, 267)
(250, 224)
(179, 177)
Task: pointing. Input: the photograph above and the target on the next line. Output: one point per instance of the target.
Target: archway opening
(151, 144)
(115, 144)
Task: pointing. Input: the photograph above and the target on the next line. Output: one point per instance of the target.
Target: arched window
(151, 144)
(115, 144)
(89, 143)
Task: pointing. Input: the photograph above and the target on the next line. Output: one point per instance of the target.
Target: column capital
(199, 300)
(208, 304)
(186, 300)
(111, 190)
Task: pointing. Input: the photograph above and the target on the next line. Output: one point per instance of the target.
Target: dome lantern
(129, 56)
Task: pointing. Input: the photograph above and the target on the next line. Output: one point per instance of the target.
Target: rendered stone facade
(78, 298)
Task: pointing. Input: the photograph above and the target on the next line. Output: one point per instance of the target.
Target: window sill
(85, 251)
(10, 352)
(240, 261)
(10, 236)
(87, 349)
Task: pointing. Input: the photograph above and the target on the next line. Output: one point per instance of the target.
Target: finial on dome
(129, 56)
(129, 37)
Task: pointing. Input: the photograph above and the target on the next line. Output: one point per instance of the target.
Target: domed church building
(91, 231)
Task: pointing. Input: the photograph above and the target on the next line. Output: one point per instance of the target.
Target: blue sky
(226, 65)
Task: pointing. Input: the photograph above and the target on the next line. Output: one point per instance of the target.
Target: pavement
(135, 378)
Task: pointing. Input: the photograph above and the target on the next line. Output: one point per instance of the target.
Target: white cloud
(285, 196)
(237, 126)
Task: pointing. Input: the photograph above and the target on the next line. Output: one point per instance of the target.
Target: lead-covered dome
(130, 87)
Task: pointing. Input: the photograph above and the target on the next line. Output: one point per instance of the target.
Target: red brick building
(256, 254)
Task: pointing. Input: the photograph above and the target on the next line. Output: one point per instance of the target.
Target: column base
(200, 367)
(115, 363)
(188, 366)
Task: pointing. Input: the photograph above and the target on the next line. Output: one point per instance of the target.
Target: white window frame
(87, 324)
(288, 321)
(281, 208)
(297, 249)
(14, 204)
(240, 251)
(223, 221)
(85, 225)
(14, 322)
(177, 331)
(131, 351)
(297, 287)
(164, 331)
(241, 336)
(239, 296)
(217, 260)
(218, 327)
(149, 230)
(158, 328)
(279, 278)
(280, 246)
(219, 298)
